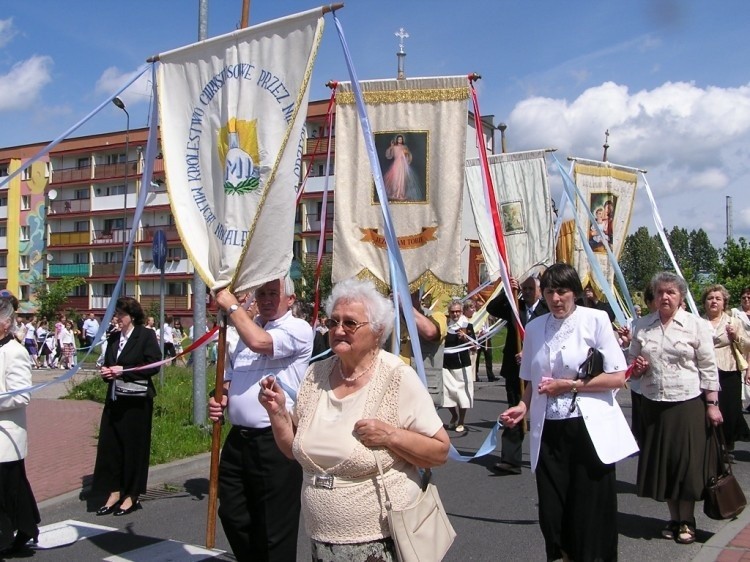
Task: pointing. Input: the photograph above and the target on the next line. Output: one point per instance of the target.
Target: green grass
(174, 436)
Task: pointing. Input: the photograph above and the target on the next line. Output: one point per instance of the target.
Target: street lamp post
(119, 103)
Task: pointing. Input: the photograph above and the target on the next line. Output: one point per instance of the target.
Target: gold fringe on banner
(401, 96)
(606, 171)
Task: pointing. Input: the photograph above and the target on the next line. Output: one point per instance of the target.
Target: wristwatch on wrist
(712, 402)
(232, 309)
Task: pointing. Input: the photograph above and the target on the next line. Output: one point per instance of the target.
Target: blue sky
(668, 78)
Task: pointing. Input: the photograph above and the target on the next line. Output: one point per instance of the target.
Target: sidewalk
(62, 451)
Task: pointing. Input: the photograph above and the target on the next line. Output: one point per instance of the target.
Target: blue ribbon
(488, 446)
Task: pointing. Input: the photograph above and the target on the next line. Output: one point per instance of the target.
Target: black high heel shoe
(135, 507)
(107, 509)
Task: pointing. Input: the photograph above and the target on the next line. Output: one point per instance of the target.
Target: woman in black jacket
(122, 454)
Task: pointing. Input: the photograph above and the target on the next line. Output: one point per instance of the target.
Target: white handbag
(422, 531)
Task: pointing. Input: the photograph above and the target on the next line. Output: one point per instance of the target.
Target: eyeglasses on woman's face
(349, 326)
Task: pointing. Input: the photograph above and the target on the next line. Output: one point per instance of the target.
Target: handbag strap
(725, 467)
(376, 406)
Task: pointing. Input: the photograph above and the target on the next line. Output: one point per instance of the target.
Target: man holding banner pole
(259, 488)
(530, 305)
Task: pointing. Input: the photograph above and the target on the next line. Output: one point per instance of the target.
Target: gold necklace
(362, 374)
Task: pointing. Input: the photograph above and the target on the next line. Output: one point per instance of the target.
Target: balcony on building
(69, 270)
(172, 266)
(111, 269)
(171, 302)
(69, 206)
(76, 303)
(113, 236)
(70, 238)
(170, 231)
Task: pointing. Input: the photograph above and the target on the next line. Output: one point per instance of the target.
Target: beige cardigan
(724, 355)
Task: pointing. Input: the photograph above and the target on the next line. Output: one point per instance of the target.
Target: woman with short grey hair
(19, 513)
(673, 356)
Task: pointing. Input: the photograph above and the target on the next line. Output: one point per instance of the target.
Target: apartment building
(71, 214)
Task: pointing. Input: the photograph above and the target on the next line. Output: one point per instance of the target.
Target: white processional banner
(233, 110)
(419, 127)
(609, 192)
(525, 208)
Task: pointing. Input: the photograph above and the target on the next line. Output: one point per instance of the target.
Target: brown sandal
(686, 534)
(671, 530)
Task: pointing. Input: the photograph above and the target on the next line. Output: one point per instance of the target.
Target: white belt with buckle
(329, 481)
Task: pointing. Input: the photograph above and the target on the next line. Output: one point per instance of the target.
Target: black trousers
(485, 349)
(730, 404)
(577, 495)
(259, 497)
(124, 447)
(511, 451)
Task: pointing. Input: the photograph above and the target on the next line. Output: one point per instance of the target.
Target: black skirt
(674, 439)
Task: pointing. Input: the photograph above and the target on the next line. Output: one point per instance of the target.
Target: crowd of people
(310, 437)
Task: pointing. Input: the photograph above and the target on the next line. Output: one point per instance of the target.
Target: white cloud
(694, 142)
(7, 32)
(20, 87)
(112, 79)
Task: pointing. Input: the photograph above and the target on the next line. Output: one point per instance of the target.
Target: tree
(51, 297)
(679, 241)
(307, 291)
(703, 255)
(641, 258)
(733, 271)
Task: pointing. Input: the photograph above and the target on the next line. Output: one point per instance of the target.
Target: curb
(719, 542)
(157, 476)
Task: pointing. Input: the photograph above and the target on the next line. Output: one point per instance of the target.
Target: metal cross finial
(402, 34)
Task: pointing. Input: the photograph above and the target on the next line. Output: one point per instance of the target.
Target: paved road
(495, 517)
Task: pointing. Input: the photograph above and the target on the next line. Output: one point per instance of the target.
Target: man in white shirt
(260, 501)
(90, 328)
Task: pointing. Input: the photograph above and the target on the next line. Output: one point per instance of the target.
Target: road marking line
(165, 551)
(67, 532)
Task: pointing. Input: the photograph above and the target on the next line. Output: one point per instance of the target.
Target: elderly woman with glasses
(18, 510)
(359, 403)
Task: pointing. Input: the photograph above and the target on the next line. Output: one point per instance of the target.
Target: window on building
(3, 260)
(24, 263)
(81, 290)
(176, 254)
(82, 226)
(26, 174)
(319, 213)
(81, 257)
(3, 230)
(25, 233)
(83, 163)
(82, 193)
(25, 202)
(177, 289)
(25, 292)
(108, 289)
(3, 201)
(112, 257)
(3, 170)
(297, 249)
(116, 158)
(113, 224)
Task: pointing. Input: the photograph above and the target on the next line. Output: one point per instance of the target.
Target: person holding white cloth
(578, 431)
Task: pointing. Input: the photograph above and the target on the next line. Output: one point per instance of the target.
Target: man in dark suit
(530, 306)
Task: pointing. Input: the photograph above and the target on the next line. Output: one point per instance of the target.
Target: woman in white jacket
(578, 431)
(19, 515)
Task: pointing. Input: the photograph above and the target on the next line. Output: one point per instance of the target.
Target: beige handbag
(739, 357)
(422, 531)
